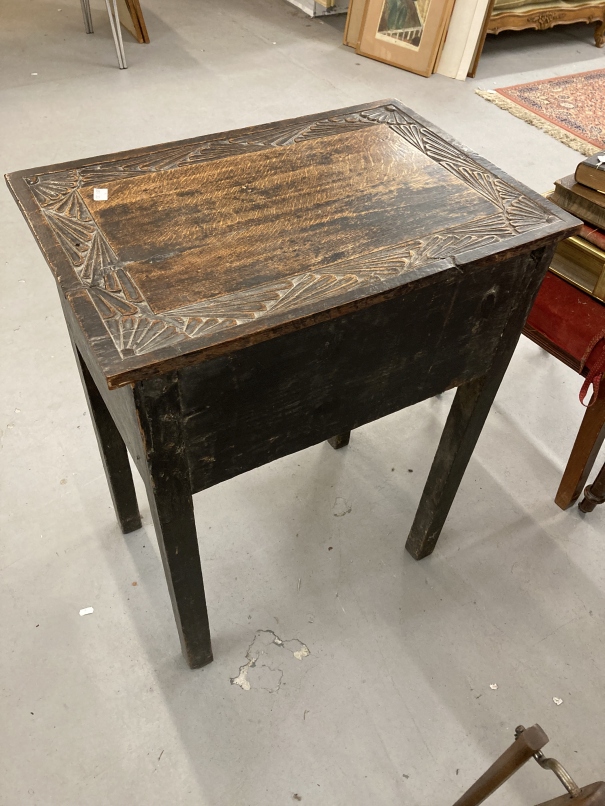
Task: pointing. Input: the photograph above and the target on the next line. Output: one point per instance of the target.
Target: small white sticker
(86, 611)
(99, 194)
(493, 686)
(557, 701)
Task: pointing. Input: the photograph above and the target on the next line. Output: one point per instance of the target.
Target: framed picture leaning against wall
(405, 33)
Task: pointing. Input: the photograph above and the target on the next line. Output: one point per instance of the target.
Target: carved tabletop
(228, 239)
(237, 297)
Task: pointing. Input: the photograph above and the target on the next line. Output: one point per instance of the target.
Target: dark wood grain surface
(209, 245)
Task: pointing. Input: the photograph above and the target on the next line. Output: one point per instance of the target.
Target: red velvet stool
(570, 324)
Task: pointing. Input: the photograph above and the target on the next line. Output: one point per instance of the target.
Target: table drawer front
(274, 398)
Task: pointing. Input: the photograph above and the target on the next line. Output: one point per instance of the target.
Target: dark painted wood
(138, 418)
(169, 490)
(467, 416)
(119, 402)
(280, 396)
(340, 441)
(245, 295)
(113, 453)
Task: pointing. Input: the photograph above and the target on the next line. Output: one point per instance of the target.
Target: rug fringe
(535, 120)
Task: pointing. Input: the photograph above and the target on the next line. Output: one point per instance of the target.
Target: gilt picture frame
(405, 33)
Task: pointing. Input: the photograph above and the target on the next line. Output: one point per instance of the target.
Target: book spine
(593, 235)
(590, 176)
(584, 209)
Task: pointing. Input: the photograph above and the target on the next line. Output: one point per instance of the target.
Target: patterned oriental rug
(569, 108)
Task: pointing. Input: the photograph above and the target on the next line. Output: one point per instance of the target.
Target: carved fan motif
(211, 150)
(135, 329)
(52, 187)
(459, 163)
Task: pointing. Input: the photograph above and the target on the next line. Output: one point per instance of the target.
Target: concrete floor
(393, 705)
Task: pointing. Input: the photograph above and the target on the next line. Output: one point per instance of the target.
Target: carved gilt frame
(544, 18)
(540, 19)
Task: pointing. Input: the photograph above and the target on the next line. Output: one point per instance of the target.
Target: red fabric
(575, 322)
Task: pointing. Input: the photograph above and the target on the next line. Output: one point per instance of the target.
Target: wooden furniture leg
(594, 494)
(462, 429)
(583, 454)
(170, 497)
(113, 453)
(464, 425)
(527, 743)
(340, 440)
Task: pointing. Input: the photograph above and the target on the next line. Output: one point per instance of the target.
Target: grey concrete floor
(393, 705)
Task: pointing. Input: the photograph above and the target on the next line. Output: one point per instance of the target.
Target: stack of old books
(581, 259)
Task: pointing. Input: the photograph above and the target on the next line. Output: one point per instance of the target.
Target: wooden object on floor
(405, 33)
(564, 321)
(583, 455)
(528, 744)
(354, 23)
(131, 18)
(594, 494)
(242, 296)
(528, 16)
(540, 16)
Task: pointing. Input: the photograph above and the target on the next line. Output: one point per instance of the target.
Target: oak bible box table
(237, 297)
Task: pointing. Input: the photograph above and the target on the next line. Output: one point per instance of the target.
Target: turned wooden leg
(584, 452)
(340, 440)
(599, 34)
(594, 494)
(113, 453)
(170, 497)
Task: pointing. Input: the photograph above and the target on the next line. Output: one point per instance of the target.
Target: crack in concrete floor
(268, 675)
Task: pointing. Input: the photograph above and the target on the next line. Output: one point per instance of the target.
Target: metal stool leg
(87, 16)
(114, 20)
